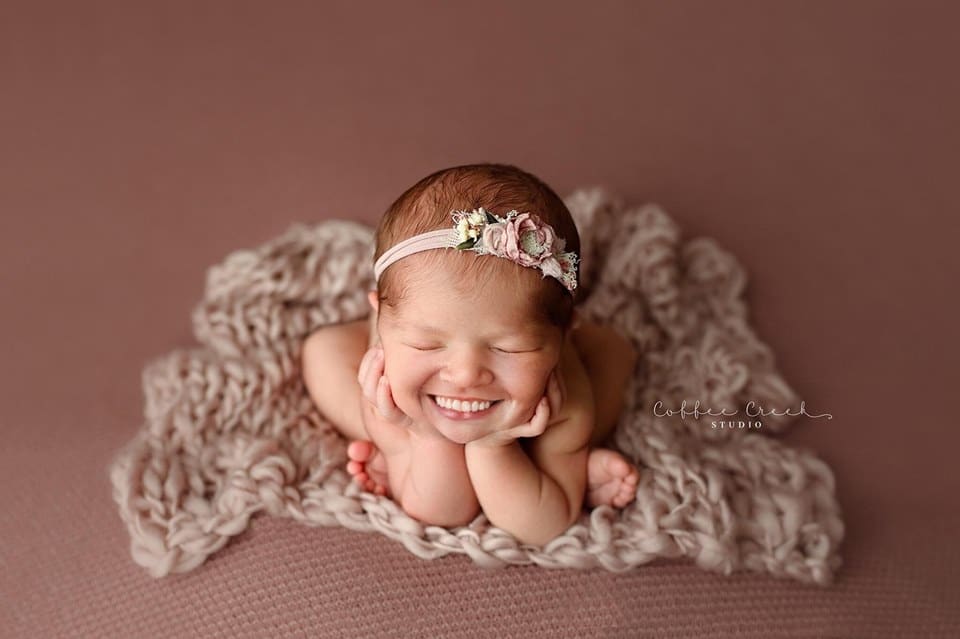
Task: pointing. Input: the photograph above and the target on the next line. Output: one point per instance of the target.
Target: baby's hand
(548, 405)
(376, 387)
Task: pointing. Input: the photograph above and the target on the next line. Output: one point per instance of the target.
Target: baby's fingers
(384, 401)
(562, 385)
(555, 393)
(371, 370)
(364, 364)
(538, 423)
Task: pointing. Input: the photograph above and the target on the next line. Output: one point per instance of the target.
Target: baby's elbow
(432, 514)
(545, 532)
(574, 511)
(538, 536)
(543, 535)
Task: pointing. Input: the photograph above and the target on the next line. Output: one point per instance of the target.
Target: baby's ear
(374, 301)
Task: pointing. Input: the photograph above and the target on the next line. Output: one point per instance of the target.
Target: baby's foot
(611, 479)
(368, 466)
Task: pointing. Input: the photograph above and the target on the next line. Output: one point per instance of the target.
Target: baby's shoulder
(330, 358)
(576, 377)
(602, 348)
(336, 344)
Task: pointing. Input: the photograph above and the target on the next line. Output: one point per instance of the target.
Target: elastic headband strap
(522, 238)
(442, 238)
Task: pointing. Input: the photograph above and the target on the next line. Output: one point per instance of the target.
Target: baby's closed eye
(515, 351)
(512, 350)
(420, 347)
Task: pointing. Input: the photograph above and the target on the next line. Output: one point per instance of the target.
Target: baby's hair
(499, 188)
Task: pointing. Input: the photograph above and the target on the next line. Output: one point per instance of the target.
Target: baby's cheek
(524, 395)
(527, 385)
(407, 388)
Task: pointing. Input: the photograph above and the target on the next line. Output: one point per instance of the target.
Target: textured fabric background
(229, 428)
(816, 141)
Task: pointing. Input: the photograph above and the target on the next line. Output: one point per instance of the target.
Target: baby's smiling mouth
(465, 405)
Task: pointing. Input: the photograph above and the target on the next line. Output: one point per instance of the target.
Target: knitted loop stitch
(230, 431)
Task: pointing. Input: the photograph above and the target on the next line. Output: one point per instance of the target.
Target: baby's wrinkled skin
(529, 462)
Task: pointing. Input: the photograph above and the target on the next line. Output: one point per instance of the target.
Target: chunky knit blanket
(230, 431)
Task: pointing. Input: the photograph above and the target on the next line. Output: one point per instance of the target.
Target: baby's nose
(467, 370)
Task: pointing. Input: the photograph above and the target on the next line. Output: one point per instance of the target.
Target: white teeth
(462, 406)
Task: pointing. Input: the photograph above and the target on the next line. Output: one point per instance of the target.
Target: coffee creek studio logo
(753, 411)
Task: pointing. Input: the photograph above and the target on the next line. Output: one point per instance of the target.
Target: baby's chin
(460, 432)
(461, 436)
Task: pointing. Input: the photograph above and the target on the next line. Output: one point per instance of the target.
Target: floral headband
(519, 237)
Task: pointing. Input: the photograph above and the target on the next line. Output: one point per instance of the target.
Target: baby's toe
(360, 450)
(354, 467)
(625, 495)
(617, 466)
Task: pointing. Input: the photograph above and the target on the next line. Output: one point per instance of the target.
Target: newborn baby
(472, 386)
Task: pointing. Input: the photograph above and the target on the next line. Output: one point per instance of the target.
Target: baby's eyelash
(499, 350)
(423, 348)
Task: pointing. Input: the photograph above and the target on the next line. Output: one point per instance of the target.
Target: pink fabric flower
(527, 242)
(495, 239)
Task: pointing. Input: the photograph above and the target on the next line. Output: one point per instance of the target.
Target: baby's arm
(437, 488)
(537, 497)
(427, 473)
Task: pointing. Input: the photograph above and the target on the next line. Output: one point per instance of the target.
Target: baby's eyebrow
(421, 327)
(410, 326)
(510, 332)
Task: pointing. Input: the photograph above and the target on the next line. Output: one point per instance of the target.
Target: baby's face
(438, 344)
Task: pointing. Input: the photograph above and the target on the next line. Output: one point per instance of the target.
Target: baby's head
(462, 325)
(499, 188)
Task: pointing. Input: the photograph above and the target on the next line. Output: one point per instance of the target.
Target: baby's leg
(611, 479)
(378, 460)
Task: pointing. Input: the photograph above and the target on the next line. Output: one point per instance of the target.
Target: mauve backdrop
(142, 142)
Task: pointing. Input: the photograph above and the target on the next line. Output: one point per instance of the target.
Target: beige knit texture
(230, 431)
